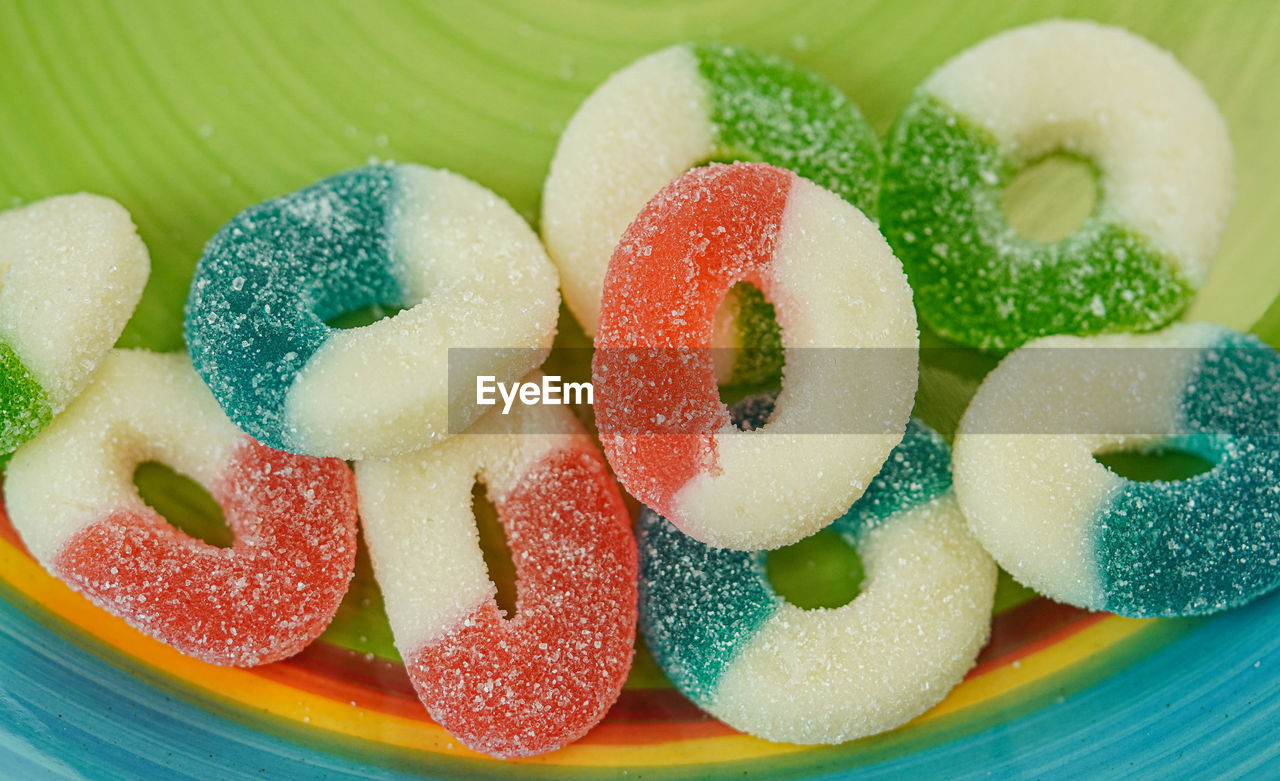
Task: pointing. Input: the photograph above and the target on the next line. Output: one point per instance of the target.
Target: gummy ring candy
(681, 107)
(835, 284)
(539, 680)
(70, 495)
(469, 269)
(73, 269)
(1165, 184)
(1067, 526)
(767, 667)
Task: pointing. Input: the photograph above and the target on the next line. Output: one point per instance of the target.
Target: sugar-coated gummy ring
(71, 497)
(539, 680)
(740, 651)
(847, 324)
(73, 269)
(678, 108)
(1077, 532)
(1165, 184)
(464, 266)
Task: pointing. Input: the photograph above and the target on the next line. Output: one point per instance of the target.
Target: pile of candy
(663, 253)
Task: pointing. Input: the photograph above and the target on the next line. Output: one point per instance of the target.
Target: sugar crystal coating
(539, 680)
(1210, 542)
(70, 495)
(1064, 524)
(737, 649)
(768, 110)
(678, 108)
(1165, 186)
(465, 268)
(834, 284)
(73, 269)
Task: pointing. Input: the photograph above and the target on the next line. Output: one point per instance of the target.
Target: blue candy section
(273, 275)
(1210, 542)
(700, 605)
(917, 471)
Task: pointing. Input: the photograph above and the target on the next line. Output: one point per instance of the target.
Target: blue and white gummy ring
(539, 680)
(681, 107)
(1067, 526)
(769, 668)
(847, 325)
(73, 269)
(71, 497)
(1165, 185)
(464, 266)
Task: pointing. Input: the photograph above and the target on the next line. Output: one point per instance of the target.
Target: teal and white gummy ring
(678, 108)
(71, 497)
(73, 269)
(1165, 186)
(769, 668)
(1064, 524)
(467, 271)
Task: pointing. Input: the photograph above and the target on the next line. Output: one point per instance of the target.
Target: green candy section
(976, 280)
(757, 337)
(764, 109)
(24, 406)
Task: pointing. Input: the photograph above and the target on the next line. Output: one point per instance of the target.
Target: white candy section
(419, 524)
(483, 281)
(831, 675)
(72, 269)
(1101, 92)
(646, 125)
(139, 407)
(1023, 458)
(835, 284)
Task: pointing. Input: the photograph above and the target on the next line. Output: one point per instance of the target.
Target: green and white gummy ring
(1072, 529)
(1165, 185)
(678, 108)
(72, 269)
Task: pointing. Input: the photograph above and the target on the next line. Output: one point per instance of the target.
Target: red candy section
(264, 598)
(657, 405)
(540, 680)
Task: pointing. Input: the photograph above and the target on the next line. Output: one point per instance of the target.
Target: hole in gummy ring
(747, 318)
(1051, 198)
(183, 502)
(362, 316)
(1162, 463)
(821, 571)
(493, 544)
